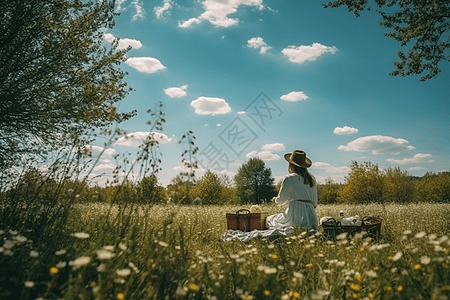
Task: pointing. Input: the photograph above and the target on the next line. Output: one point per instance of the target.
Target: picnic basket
(245, 220)
(369, 224)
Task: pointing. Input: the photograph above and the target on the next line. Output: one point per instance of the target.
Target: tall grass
(175, 252)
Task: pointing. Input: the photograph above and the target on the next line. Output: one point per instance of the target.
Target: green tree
(420, 25)
(329, 192)
(364, 184)
(254, 182)
(58, 78)
(433, 187)
(397, 186)
(209, 189)
(179, 190)
(150, 191)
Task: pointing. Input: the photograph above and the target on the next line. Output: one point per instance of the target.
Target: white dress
(298, 213)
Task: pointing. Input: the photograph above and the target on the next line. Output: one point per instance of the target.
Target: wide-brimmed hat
(298, 158)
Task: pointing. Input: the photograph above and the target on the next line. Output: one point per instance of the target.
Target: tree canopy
(422, 25)
(58, 77)
(254, 182)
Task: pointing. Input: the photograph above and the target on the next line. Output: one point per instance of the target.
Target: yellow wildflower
(358, 277)
(388, 288)
(309, 265)
(192, 287)
(296, 295)
(417, 267)
(120, 296)
(54, 270)
(355, 295)
(266, 293)
(371, 296)
(356, 287)
(274, 256)
(389, 257)
(361, 249)
(399, 288)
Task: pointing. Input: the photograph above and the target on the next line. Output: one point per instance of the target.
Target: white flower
(61, 264)
(269, 270)
(109, 248)
(104, 254)
(80, 262)
(101, 268)
(425, 260)
(397, 256)
(81, 235)
(420, 235)
(20, 238)
(123, 272)
(122, 246)
(163, 244)
(371, 273)
(29, 284)
(61, 252)
(34, 253)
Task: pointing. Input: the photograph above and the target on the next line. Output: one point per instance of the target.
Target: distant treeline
(366, 183)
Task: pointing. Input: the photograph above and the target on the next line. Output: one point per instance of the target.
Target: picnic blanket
(270, 234)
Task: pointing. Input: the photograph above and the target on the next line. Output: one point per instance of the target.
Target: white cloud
(123, 43)
(217, 11)
(416, 168)
(345, 130)
(210, 106)
(136, 139)
(119, 7)
(189, 23)
(176, 92)
(140, 12)
(273, 147)
(264, 155)
(294, 96)
(318, 165)
(304, 53)
(418, 158)
(378, 144)
(145, 64)
(242, 112)
(97, 150)
(104, 167)
(165, 8)
(258, 43)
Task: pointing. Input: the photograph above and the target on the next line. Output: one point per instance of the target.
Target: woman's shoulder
(290, 176)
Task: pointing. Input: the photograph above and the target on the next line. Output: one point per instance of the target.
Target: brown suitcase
(244, 220)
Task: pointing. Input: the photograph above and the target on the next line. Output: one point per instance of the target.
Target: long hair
(308, 178)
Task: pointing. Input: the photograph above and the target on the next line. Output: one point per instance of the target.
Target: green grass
(175, 252)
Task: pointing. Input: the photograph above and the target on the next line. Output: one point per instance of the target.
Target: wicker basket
(370, 225)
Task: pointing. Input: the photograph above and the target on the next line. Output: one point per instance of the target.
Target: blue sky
(264, 77)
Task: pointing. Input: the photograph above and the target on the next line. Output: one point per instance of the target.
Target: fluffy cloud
(176, 92)
(136, 139)
(123, 43)
(418, 158)
(303, 53)
(217, 11)
(273, 147)
(378, 144)
(104, 167)
(294, 96)
(258, 43)
(160, 10)
(318, 165)
(210, 106)
(97, 150)
(345, 130)
(140, 12)
(264, 155)
(145, 64)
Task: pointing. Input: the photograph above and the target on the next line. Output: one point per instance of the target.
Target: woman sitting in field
(299, 190)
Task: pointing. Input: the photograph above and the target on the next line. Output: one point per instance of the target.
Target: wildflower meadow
(176, 252)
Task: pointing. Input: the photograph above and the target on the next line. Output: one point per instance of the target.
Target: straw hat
(298, 158)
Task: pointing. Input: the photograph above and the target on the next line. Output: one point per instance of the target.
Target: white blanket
(270, 234)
